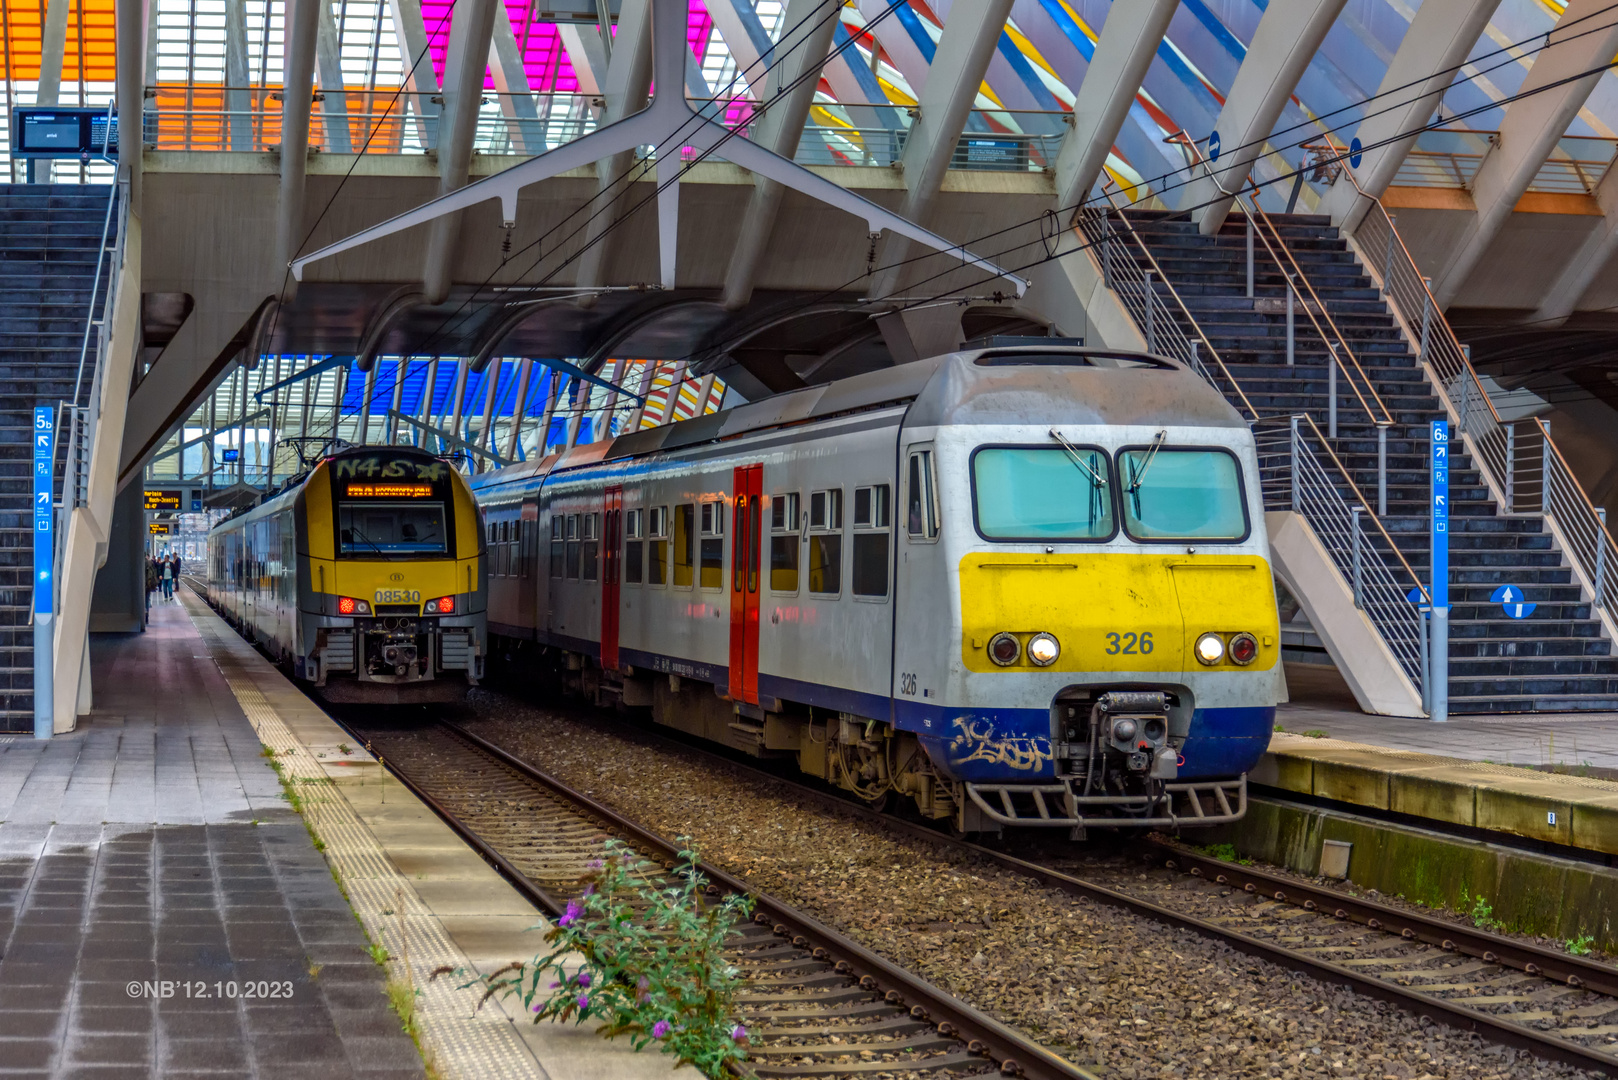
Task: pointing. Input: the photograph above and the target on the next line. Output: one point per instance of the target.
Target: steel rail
(1012, 1053)
(1592, 975)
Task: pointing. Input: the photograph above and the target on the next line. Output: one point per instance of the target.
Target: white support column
(303, 18)
(52, 48)
(1287, 38)
(464, 68)
(1438, 41)
(491, 390)
(329, 57)
(964, 51)
(238, 98)
(1591, 258)
(411, 32)
(1128, 43)
(391, 428)
(553, 395)
(130, 19)
(628, 82)
(779, 131)
(519, 407)
(511, 83)
(1530, 131)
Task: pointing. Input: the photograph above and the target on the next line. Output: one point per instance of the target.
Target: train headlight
(1243, 649)
(444, 605)
(1210, 649)
(1004, 649)
(1043, 649)
(347, 605)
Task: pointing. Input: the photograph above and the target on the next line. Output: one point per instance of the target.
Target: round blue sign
(1510, 599)
(1213, 146)
(1356, 153)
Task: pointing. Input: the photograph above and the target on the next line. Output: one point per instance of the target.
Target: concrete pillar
(1288, 36)
(1440, 37)
(420, 80)
(238, 98)
(511, 83)
(969, 41)
(1128, 43)
(297, 94)
(329, 61)
(1585, 38)
(519, 406)
(130, 19)
(464, 69)
(118, 601)
(780, 130)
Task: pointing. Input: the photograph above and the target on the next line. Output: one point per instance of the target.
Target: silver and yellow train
(1018, 586)
(366, 579)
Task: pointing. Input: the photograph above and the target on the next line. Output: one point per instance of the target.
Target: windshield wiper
(1073, 453)
(355, 530)
(1151, 456)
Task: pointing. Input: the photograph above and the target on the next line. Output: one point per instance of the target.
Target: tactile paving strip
(463, 1041)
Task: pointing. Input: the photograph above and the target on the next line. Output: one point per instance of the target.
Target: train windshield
(1175, 494)
(376, 528)
(1040, 493)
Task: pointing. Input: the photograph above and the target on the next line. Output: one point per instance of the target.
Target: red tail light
(444, 605)
(347, 605)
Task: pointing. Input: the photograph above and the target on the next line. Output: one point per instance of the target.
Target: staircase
(1555, 660)
(49, 241)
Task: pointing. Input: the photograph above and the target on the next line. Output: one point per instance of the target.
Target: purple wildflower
(595, 864)
(661, 1029)
(584, 1001)
(538, 1007)
(583, 978)
(572, 914)
(738, 1033)
(642, 983)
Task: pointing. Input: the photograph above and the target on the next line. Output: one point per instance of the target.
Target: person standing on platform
(168, 578)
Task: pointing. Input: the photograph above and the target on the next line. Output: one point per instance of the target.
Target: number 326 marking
(1129, 644)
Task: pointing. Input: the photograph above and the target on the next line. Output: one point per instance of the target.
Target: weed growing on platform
(1581, 945)
(1481, 912)
(654, 961)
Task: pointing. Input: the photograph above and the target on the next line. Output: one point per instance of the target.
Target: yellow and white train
(1020, 586)
(365, 579)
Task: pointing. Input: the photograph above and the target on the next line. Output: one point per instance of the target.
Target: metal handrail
(1342, 341)
(1182, 139)
(1202, 338)
(1583, 526)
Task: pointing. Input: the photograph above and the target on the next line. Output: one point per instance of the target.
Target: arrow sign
(1510, 599)
(1213, 146)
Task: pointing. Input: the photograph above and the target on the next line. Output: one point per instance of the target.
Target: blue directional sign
(1440, 513)
(1213, 146)
(1356, 153)
(44, 513)
(1510, 598)
(196, 506)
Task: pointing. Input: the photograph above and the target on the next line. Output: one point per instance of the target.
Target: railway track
(1552, 1004)
(816, 1004)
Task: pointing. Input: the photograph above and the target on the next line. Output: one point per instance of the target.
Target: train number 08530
(1129, 644)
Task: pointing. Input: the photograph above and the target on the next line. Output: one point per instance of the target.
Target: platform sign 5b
(44, 513)
(1440, 513)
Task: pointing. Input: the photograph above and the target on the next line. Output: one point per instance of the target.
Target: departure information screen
(388, 491)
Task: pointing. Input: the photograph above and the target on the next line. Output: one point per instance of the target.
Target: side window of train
(873, 519)
(657, 548)
(713, 545)
(592, 546)
(558, 543)
(573, 547)
(825, 542)
(685, 522)
(921, 497)
(634, 546)
(784, 542)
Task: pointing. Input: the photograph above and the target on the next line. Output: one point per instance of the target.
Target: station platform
(1551, 778)
(165, 910)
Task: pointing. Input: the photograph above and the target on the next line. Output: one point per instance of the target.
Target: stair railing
(1120, 249)
(1494, 441)
(1300, 472)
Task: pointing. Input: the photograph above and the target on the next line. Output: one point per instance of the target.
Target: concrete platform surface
(163, 912)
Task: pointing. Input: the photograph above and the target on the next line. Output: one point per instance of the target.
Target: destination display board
(162, 500)
(63, 132)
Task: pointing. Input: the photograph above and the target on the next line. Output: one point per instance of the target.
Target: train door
(744, 584)
(612, 535)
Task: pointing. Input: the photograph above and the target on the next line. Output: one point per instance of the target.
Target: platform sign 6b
(44, 513)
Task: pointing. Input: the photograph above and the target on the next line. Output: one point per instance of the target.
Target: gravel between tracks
(1099, 985)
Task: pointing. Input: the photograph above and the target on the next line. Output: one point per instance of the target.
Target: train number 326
(1129, 644)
